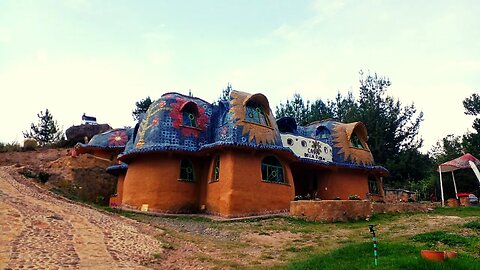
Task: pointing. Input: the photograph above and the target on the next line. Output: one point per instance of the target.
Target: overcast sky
(99, 57)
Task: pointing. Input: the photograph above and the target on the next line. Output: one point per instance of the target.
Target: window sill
(257, 124)
(274, 182)
(213, 181)
(196, 128)
(186, 180)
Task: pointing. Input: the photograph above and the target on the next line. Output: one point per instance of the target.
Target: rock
(55, 216)
(77, 134)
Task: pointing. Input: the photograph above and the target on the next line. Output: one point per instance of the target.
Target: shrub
(28, 173)
(353, 197)
(43, 177)
(30, 144)
(10, 147)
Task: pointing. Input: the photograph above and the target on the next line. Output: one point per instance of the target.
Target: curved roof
(117, 169)
(111, 139)
(167, 126)
(163, 127)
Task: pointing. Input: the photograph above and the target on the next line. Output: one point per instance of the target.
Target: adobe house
(235, 159)
(119, 170)
(106, 145)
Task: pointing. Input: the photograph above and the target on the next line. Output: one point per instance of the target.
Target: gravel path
(41, 231)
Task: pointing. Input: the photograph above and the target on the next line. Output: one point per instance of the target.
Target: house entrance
(305, 180)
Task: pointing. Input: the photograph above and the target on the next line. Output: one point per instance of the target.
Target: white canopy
(463, 162)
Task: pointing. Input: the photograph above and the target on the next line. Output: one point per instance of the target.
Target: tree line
(393, 133)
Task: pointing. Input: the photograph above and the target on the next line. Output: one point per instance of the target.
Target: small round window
(304, 143)
(289, 141)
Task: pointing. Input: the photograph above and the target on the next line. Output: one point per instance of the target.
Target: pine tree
(141, 107)
(46, 131)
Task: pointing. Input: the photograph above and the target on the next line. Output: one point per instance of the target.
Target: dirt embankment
(83, 178)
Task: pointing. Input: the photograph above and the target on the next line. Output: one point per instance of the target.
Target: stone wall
(343, 210)
(378, 208)
(331, 210)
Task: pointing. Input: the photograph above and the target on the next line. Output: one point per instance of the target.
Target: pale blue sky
(99, 57)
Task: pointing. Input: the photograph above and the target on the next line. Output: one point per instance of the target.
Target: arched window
(322, 133)
(186, 171)
(372, 184)
(272, 170)
(256, 114)
(216, 169)
(356, 142)
(189, 112)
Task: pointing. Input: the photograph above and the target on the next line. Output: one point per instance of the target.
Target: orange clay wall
(342, 183)
(116, 200)
(240, 190)
(153, 180)
(120, 181)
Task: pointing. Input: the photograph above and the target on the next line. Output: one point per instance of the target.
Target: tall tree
(46, 131)
(141, 107)
(296, 108)
(226, 93)
(471, 140)
(392, 128)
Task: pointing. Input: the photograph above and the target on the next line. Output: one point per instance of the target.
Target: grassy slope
(404, 253)
(290, 243)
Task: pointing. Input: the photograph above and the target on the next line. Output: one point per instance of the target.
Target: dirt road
(41, 231)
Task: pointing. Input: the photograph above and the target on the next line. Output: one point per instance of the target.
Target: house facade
(234, 159)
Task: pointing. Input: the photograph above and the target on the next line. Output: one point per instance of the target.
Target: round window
(289, 141)
(304, 143)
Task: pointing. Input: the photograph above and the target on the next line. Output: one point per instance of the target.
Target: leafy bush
(28, 173)
(30, 144)
(43, 177)
(354, 197)
(10, 147)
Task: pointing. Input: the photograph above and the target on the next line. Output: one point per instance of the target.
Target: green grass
(449, 239)
(468, 211)
(391, 256)
(472, 225)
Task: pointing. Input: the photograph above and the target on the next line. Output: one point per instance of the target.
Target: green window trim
(356, 142)
(272, 170)
(216, 170)
(187, 172)
(254, 113)
(189, 118)
(373, 185)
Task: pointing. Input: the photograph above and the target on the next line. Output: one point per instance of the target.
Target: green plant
(472, 225)
(449, 239)
(30, 144)
(43, 177)
(354, 197)
(46, 131)
(10, 147)
(28, 173)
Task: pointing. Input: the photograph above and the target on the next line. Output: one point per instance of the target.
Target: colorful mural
(218, 157)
